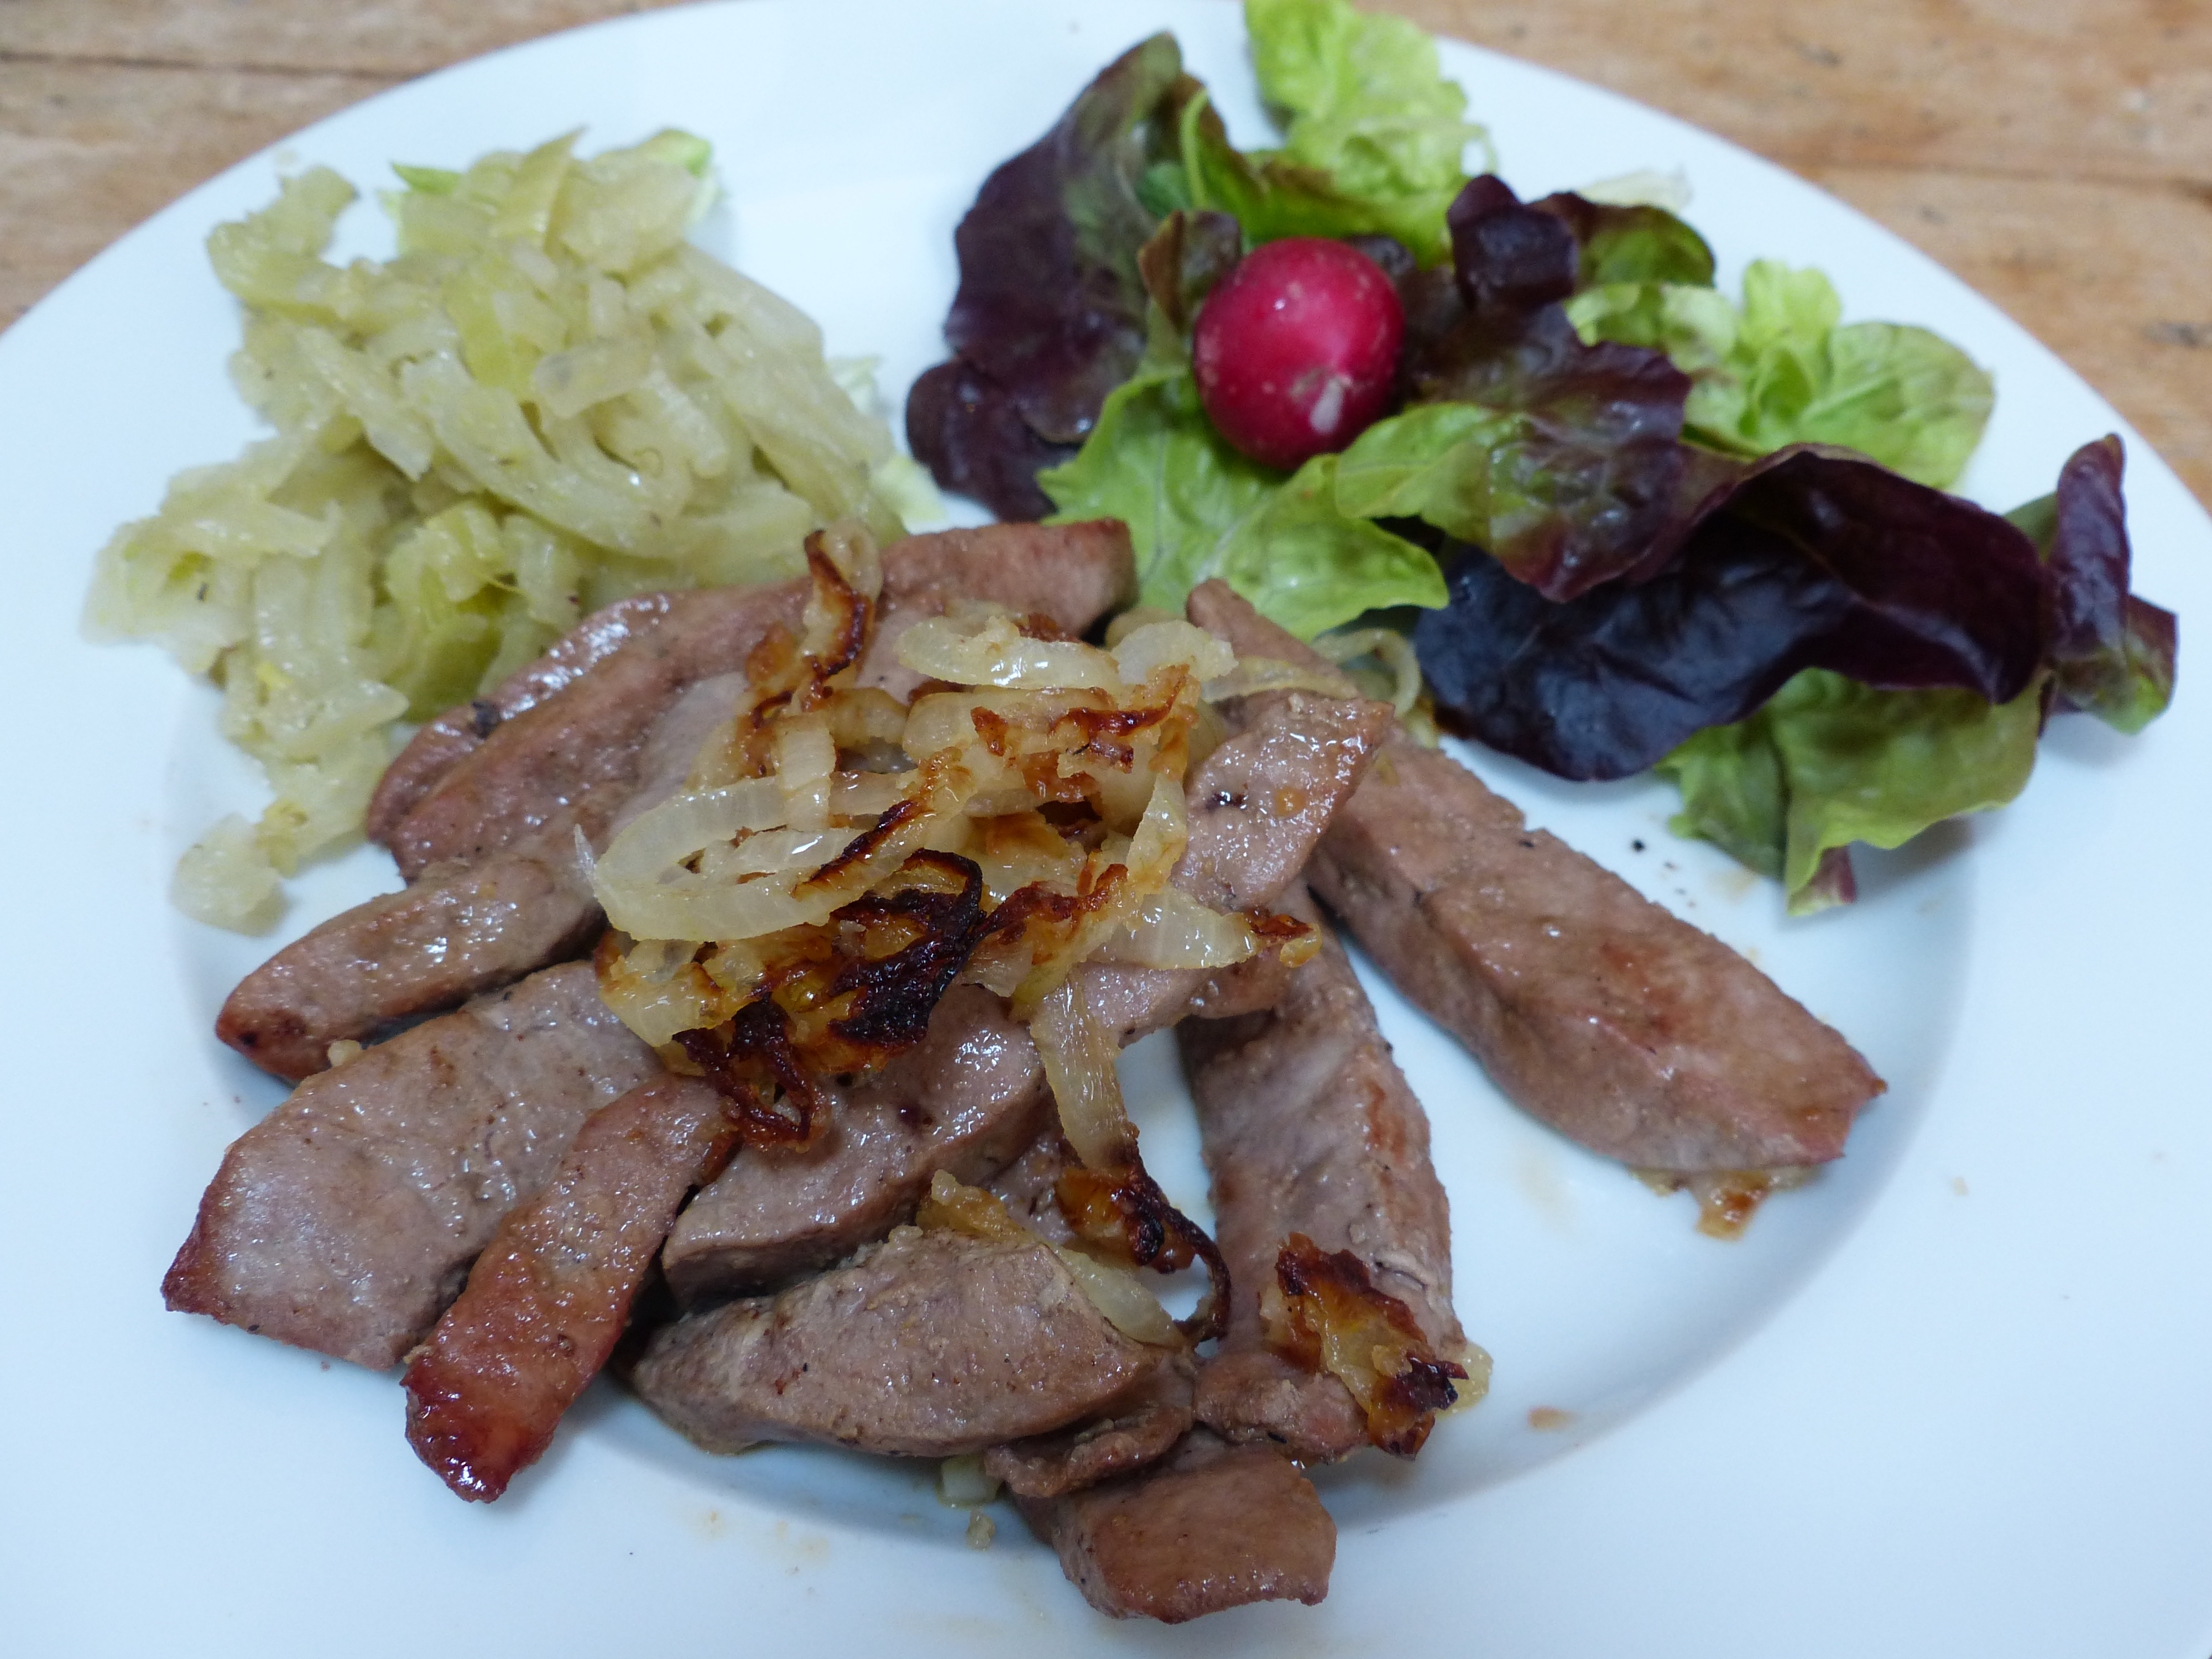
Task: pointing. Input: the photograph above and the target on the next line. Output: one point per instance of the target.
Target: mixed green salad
(1627, 521)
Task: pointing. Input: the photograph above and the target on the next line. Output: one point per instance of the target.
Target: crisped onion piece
(1324, 1309)
(1040, 826)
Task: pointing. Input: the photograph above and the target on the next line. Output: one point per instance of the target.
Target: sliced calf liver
(1594, 1009)
(550, 1295)
(929, 1345)
(346, 1219)
(573, 758)
(1307, 1127)
(1214, 1527)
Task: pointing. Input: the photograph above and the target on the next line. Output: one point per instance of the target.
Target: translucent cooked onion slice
(799, 909)
(1122, 1298)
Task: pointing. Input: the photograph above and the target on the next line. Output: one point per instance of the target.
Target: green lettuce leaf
(1432, 461)
(1827, 761)
(1373, 134)
(1559, 457)
(1621, 242)
(1363, 99)
(1784, 369)
(1196, 510)
(2112, 652)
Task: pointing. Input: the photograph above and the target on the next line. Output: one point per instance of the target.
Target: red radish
(1295, 348)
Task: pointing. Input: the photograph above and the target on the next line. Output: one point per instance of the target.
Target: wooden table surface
(2057, 154)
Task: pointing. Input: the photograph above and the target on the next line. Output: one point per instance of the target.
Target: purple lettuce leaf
(2112, 654)
(1049, 315)
(1185, 258)
(969, 431)
(1809, 559)
(1583, 472)
(1616, 244)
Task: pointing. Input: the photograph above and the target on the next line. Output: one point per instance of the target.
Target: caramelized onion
(789, 915)
(1325, 1311)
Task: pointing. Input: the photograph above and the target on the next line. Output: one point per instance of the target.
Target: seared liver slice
(345, 1220)
(428, 947)
(1026, 1186)
(456, 931)
(1257, 804)
(929, 1345)
(1215, 1526)
(573, 758)
(967, 1099)
(548, 1298)
(1605, 1016)
(1137, 1430)
(447, 741)
(1308, 1126)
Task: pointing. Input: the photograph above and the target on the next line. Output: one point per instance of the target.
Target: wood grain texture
(2057, 154)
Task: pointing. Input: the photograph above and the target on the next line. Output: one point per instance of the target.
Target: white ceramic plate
(1950, 1400)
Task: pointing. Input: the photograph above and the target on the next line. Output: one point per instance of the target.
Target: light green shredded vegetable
(549, 399)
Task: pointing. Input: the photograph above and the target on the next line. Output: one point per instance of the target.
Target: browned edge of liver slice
(442, 744)
(928, 1344)
(1308, 1126)
(1602, 1014)
(1214, 1527)
(345, 1219)
(548, 1298)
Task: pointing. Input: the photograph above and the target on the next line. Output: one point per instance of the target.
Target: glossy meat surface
(1601, 1013)
(548, 1298)
(1308, 1126)
(929, 1345)
(345, 1220)
(430, 947)
(1214, 1527)
(967, 1099)
(1258, 803)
